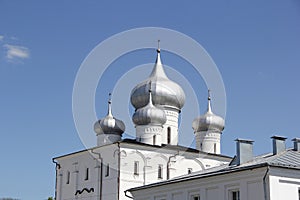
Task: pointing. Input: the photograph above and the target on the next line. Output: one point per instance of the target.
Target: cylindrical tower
(166, 94)
(149, 121)
(208, 129)
(109, 129)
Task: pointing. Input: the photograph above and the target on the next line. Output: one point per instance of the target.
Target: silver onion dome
(164, 91)
(208, 121)
(109, 124)
(149, 114)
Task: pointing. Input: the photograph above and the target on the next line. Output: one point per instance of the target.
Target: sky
(255, 45)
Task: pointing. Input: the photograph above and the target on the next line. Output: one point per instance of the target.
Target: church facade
(115, 165)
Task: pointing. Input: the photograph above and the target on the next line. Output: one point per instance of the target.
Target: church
(108, 170)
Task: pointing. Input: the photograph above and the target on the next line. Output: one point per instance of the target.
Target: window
(107, 170)
(201, 146)
(86, 174)
(168, 172)
(195, 197)
(215, 148)
(68, 177)
(169, 135)
(299, 193)
(235, 195)
(190, 170)
(136, 168)
(154, 139)
(160, 170)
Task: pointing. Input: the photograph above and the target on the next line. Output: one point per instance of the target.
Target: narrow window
(160, 168)
(107, 170)
(154, 139)
(195, 197)
(235, 195)
(215, 147)
(169, 135)
(201, 146)
(299, 193)
(68, 177)
(86, 174)
(136, 168)
(190, 170)
(168, 173)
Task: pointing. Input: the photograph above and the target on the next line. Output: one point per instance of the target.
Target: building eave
(130, 142)
(226, 170)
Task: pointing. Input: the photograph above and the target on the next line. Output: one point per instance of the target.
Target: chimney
(244, 150)
(296, 144)
(278, 144)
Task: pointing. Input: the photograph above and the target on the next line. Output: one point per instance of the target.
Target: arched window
(136, 168)
(169, 135)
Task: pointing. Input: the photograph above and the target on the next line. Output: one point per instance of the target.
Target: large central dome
(164, 91)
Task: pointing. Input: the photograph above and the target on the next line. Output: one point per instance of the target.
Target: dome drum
(149, 134)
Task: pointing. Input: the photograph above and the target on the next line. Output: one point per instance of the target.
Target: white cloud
(16, 52)
(1, 37)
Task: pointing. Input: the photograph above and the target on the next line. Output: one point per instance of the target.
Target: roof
(164, 146)
(174, 147)
(286, 159)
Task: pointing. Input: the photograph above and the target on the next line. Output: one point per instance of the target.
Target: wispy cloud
(1, 37)
(14, 52)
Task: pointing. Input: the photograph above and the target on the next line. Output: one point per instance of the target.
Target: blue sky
(255, 45)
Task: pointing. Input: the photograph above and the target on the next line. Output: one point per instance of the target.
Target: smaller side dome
(149, 115)
(109, 124)
(208, 121)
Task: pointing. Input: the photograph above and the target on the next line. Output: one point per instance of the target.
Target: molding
(289, 182)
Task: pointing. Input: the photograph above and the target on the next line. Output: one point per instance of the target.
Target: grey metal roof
(286, 159)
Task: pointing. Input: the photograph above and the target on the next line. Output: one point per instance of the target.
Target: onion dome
(109, 124)
(150, 114)
(208, 121)
(164, 91)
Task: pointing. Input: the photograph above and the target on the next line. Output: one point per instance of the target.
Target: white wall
(149, 160)
(77, 164)
(284, 184)
(122, 156)
(248, 182)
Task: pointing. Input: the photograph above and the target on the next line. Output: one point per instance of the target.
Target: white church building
(115, 165)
